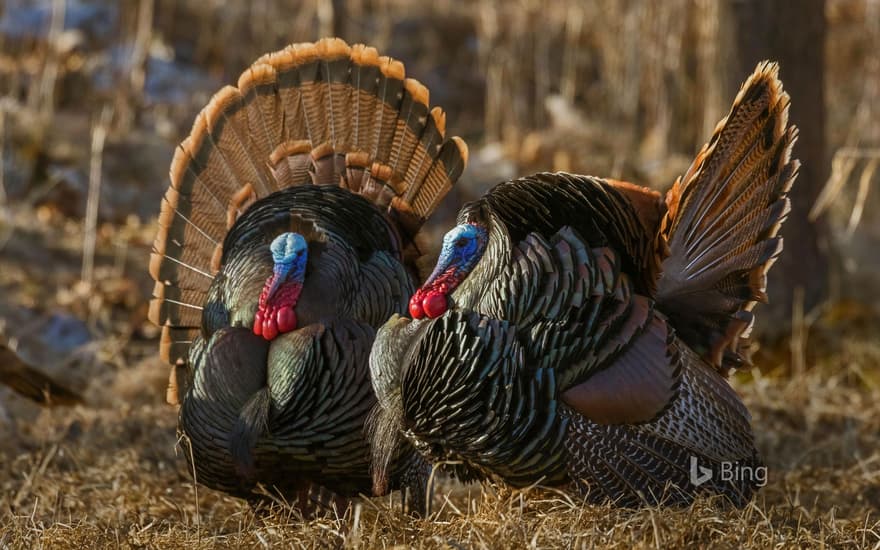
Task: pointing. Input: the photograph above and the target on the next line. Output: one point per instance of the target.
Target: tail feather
(210, 136)
(313, 97)
(425, 152)
(264, 117)
(722, 219)
(176, 306)
(290, 162)
(337, 68)
(446, 168)
(174, 343)
(389, 92)
(324, 168)
(183, 214)
(290, 94)
(410, 123)
(175, 229)
(322, 113)
(365, 76)
(195, 198)
(234, 135)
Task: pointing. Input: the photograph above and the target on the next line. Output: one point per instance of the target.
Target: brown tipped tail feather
(722, 219)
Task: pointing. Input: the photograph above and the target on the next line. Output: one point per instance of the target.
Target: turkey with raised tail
(577, 331)
(289, 234)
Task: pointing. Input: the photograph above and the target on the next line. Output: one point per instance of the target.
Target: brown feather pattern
(722, 219)
(587, 347)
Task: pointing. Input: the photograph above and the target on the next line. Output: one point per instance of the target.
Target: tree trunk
(791, 32)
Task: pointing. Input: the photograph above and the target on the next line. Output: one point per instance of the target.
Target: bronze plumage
(312, 176)
(577, 331)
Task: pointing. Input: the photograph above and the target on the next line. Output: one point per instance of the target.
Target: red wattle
(258, 324)
(435, 304)
(286, 319)
(415, 307)
(275, 314)
(270, 329)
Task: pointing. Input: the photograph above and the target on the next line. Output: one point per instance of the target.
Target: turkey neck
(544, 203)
(339, 227)
(471, 293)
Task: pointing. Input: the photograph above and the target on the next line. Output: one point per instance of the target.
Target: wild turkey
(288, 235)
(31, 383)
(578, 330)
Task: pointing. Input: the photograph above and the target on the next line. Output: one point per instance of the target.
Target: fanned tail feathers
(723, 215)
(322, 113)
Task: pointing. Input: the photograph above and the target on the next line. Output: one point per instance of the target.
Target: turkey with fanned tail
(578, 331)
(289, 234)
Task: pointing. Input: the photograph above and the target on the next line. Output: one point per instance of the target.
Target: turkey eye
(461, 242)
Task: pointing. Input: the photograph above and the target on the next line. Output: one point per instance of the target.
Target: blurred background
(95, 95)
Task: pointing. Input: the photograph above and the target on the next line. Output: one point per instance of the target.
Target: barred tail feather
(722, 221)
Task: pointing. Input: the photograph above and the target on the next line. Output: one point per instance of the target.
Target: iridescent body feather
(586, 341)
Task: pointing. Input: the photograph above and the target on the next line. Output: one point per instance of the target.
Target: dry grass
(108, 475)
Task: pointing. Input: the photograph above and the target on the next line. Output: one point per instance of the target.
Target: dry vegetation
(108, 475)
(93, 97)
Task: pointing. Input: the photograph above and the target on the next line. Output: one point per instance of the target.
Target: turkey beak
(444, 264)
(281, 271)
(438, 269)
